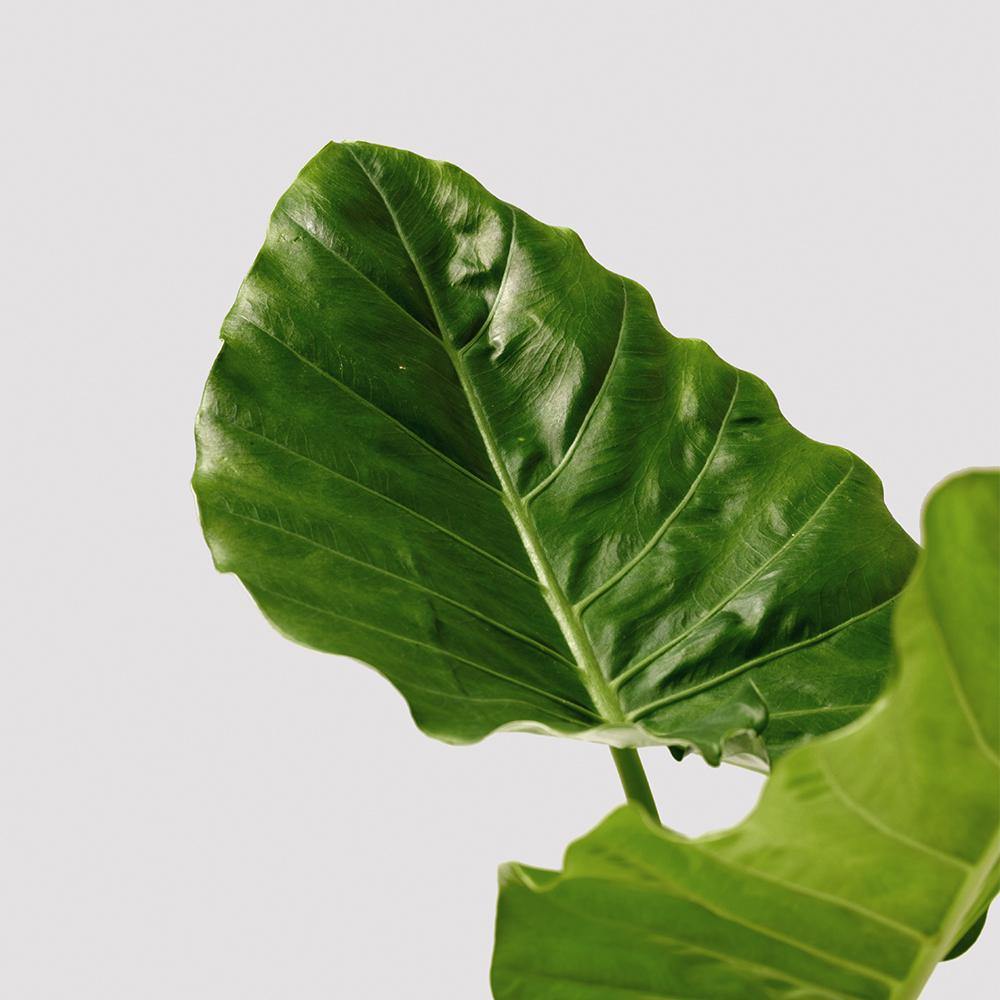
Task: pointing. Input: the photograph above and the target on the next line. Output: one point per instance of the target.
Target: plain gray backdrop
(193, 807)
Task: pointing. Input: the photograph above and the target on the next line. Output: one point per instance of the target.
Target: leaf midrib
(570, 624)
(559, 604)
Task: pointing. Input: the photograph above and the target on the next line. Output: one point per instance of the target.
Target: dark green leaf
(442, 439)
(871, 851)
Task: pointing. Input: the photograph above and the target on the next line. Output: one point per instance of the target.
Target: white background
(195, 808)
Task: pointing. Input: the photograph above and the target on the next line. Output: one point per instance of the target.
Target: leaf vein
(756, 662)
(631, 671)
(591, 410)
(960, 696)
(817, 710)
(670, 518)
(734, 960)
(368, 403)
(486, 619)
(322, 244)
(880, 826)
(818, 894)
(569, 622)
(500, 288)
(442, 651)
(382, 496)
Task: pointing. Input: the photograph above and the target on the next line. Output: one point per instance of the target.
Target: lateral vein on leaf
(734, 918)
(879, 825)
(795, 536)
(728, 959)
(500, 288)
(463, 697)
(818, 710)
(694, 689)
(581, 605)
(442, 651)
(426, 330)
(381, 496)
(817, 894)
(486, 619)
(343, 386)
(960, 696)
(591, 410)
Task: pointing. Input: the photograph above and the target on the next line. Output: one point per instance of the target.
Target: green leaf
(870, 852)
(442, 439)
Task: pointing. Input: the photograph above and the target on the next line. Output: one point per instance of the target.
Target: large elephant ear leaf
(870, 858)
(442, 439)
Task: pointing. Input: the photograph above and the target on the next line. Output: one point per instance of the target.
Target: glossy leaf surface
(442, 439)
(871, 851)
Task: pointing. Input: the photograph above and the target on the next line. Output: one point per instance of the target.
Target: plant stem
(634, 779)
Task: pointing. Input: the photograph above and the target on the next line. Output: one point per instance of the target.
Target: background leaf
(444, 440)
(871, 850)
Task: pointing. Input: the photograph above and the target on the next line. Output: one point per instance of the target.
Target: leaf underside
(871, 852)
(440, 438)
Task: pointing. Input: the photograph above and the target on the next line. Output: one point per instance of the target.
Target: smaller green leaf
(872, 852)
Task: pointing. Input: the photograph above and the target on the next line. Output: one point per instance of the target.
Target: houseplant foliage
(442, 439)
(872, 850)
